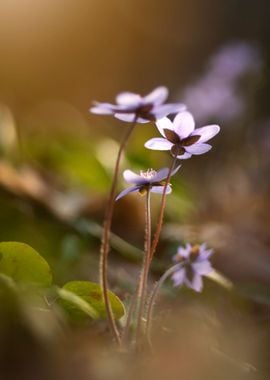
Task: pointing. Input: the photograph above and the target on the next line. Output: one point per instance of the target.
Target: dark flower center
(178, 149)
(190, 140)
(172, 136)
(194, 253)
(144, 112)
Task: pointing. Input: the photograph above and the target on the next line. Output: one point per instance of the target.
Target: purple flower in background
(181, 138)
(147, 180)
(130, 106)
(193, 264)
(227, 85)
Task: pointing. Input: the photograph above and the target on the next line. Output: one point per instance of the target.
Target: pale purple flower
(193, 264)
(229, 80)
(181, 137)
(147, 180)
(130, 106)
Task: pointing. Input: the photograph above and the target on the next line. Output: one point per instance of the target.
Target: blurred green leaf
(24, 265)
(74, 304)
(88, 300)
(72, 158)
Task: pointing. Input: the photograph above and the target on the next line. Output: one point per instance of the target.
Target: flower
(181, 138)
(147, 180)
(130, 107)
(193, 264)
(228, 82)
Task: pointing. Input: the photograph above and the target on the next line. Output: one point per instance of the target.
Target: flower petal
(205, 253)
(197, 283)
(133, 178)
(184, 156)
(157, 96)
(160, 189)
(158, 143)
(129, 99)
(167, 109)
(198, 148)
(130, 117)
(127, 191)
(164, 123)
(184, 124)
(203, 267)
(102, 109)
(207, 132)
(183, 252)
(178, 277)
(162, 174)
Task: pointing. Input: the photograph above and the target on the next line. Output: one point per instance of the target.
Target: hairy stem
(162, 209)
(145, 269)
(153, 297)
(131, 311)
(105, 245)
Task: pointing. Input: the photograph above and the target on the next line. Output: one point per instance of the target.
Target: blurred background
(56, 162)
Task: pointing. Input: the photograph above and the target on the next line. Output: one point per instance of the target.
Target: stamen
(148, 174)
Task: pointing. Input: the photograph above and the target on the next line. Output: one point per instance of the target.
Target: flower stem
(152, 299)
(131, 310)
(162, 209)
(105, 245)
(146, 263)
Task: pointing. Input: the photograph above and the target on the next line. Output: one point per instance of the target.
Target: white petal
(160, 189)
(134, 178)
(184, 124)
(102, 109)
(197, 283)
(203, 267)
(198, 148)
(158, 143)
(127, 191)
(184, 156)
(183, 252)
(167, 109)
(129, 117)
(157, 96)
(164, 123)
(206, 132)
(140, 120)
(205, 253)
(129, 99)
(179, 277)
(162, 174)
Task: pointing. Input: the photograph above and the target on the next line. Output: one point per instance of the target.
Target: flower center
(148, 174)
(194, 252)
(144, 112)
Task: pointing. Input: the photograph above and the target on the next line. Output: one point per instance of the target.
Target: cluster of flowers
(182, 140)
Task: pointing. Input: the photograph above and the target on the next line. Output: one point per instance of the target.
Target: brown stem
(104, 250)
(145, 269)
(161, 213)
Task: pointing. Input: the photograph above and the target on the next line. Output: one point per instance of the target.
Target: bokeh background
(56, 163)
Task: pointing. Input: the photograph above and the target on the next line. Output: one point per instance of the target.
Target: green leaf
(24, 265)
(71, 300)
(91, 294)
